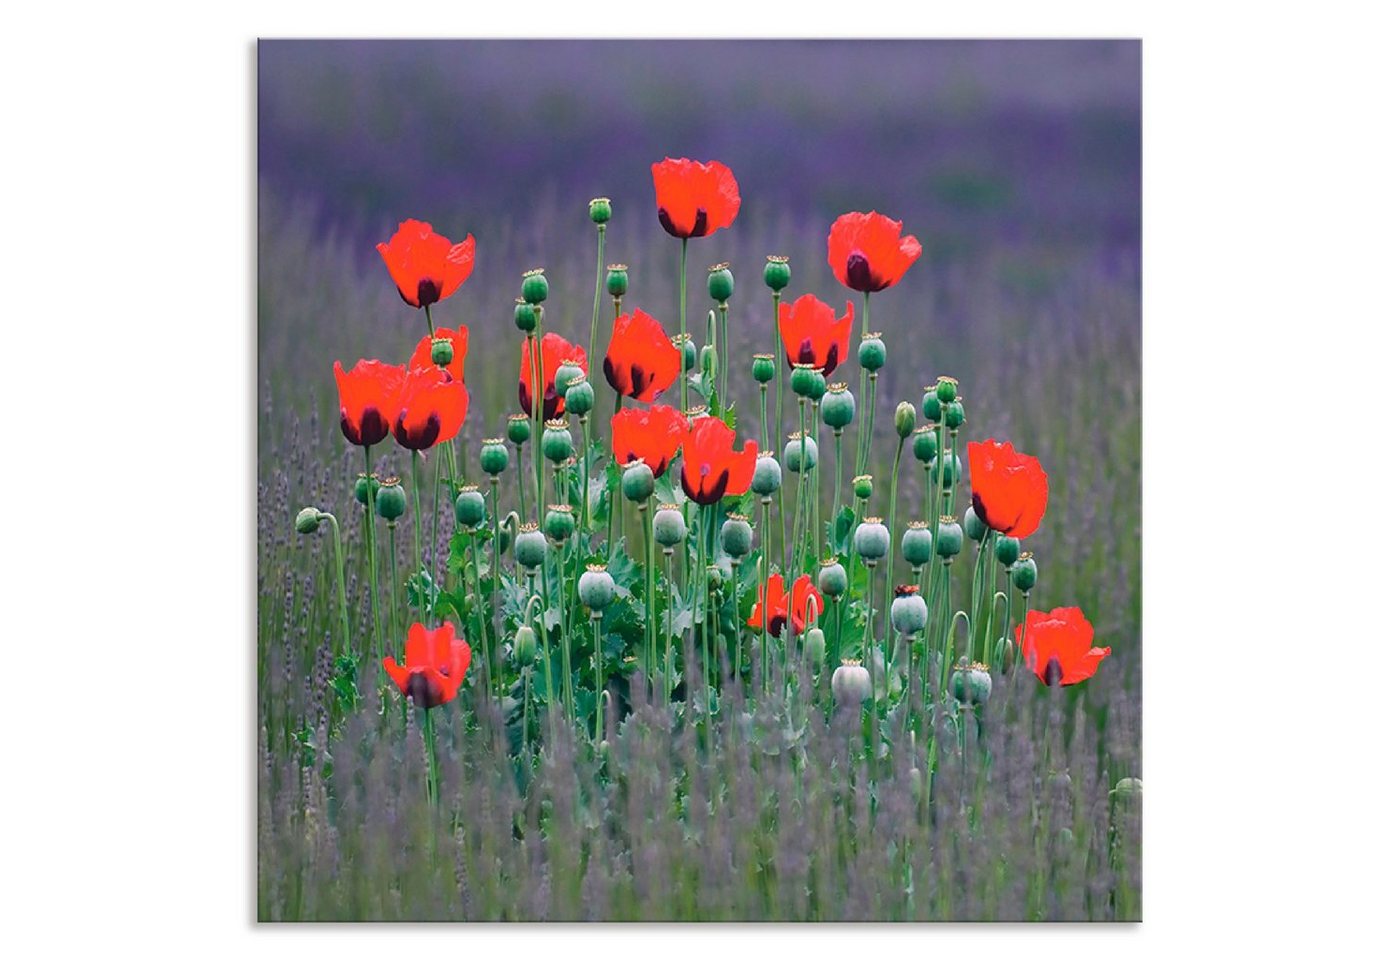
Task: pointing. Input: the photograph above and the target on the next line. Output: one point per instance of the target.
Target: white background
(1270, 271)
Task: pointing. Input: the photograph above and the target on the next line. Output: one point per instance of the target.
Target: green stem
(763, 573)
(597, 301)
(778, 357)
(430, 744)
(394, 583)
(723, 354)
(889, 561)
(417, 516)
(838, 479)
(685, 377)
(598, 674)
(340, 582)
(496, 572)
(586, 529)
(373, 560)
(670, 619)
(475, 579)
(537, 408)
(437, 513)
(564, 639)
(647, 512)
(536, 597)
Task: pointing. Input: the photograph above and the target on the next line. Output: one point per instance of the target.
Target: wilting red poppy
(777, 605)
(555, 350)
(434, 664)
(1009, 489)
(694, 199)
(1059, 646)
(711, 468)
(432, 407)
(424, 266)
(423, 353)
(652, 435)
(813, 334)
(369, 394)
(867, 253)
(641, 361)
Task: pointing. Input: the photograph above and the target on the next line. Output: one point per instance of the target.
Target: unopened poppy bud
(776, 273)
(686, 346)
(1003, 655)
(1127, 790)
(441, 352)
(767, 475)
(1023, 573)
(525, 319)
(908, 612)
(617, 280)
(504, 535)
(952, 469)
(714, 576)
(948, 543)
(831, 578)
(800, 452)
(525, 645)
(530, 546)
(863, 485)
(953, 416)
(669, 527)
(494, 458)
(850, 684)
(872, 539)
(391, 501)
(916, 546)
(637, 481)
(709, 360)
(1008, 550)
(872, 352)
(534, 288)
(470, 507)
(947, 389)
(973, 525)
(362, 487)
(558, 443)
(837, 406)
(933, 407)
(736, 536)
(518, 428)
(308, 520)
(904, 419)
(559, 522)
(721, 283)
(600, 210)
(578, 399)
(971, 682)
(763, 368)
(814, 647)
(596, 588)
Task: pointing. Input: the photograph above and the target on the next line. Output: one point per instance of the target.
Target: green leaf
(838, 531)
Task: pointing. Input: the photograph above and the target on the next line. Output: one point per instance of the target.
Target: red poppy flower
(434, 665)
(711, 468)
(423, 353)
(1059, 646)
(1009, 489)
(369, 394)
(812, 333)
(867, 253)
(652, 435)
(694, 199)
(778, 605)
(554, 351)
(424, 266)
(432, 407)
(641, 361)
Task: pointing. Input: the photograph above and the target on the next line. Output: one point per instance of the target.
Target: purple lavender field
(1018, 166)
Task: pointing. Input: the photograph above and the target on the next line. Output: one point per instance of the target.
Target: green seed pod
(308, 520)
(908, 612)
(872, 352)
(776, 273)
(816, 389)
(863, 485)
(904, 419)
(763, 367)
(933, 407)
(802, 378)
(525, 645)
(947, 389)
(851, 684)
(814, 648)
(525, 319)
(617, 280)
(559, 522)
(952, 469)
(558, 443)
(973, 525)
(578, 399)
(567, 373)
(686, 346)
(441, 352)
(800, 452)
(1023, 572)
(721, 283)
(391, 502)
(736, 536)
(948, 543)
(926, 443)
(534, 288)
(600, 210)
(1008, 550)
(1129, 790)
(953, 416)
(530, 546)
(596, 588)
(916, 546)
(872, 539)
(971, 682)
(831, 578)
(669, 527)
(637, 482)
(362, 487)
(714, 576)
(837, 406)
(518, 428)
(470, 507)
(767, 475)
(494, 457)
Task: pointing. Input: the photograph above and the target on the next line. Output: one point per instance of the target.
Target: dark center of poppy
(858, 273)
(831, 361)
(1054, 673)
(640, 381)
(420, 691)
(805, 353)
(701, 222)
(428, 291)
